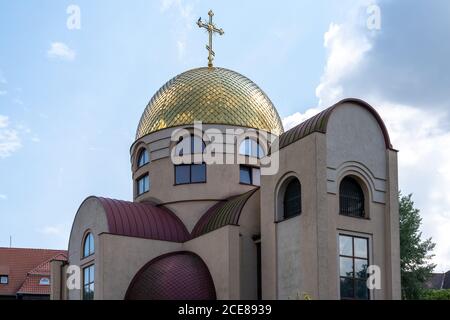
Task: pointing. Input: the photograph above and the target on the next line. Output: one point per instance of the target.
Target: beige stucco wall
(249, 228)
(289, 248)
(300, 255)
(190, 201)
(90, 217)
(58, 290)
(122, 257)
(220, 251)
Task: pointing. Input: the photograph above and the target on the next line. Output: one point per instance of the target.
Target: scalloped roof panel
(319, 123)
(143, 220)
(221, 214)
(174, 276)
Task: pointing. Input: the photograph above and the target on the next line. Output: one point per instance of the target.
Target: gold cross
(211, 28)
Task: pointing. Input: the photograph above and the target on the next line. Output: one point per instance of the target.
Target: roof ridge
(33, 271)
(35, 249)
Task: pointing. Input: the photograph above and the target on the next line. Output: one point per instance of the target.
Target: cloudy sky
(71, 98)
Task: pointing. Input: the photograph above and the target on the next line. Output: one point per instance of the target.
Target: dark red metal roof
(319, 123)
(174, 276)
(143, 220)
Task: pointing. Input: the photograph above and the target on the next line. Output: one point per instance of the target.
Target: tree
(415, 253)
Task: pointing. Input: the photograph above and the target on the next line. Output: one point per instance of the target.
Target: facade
(25, 273)
(240, 230)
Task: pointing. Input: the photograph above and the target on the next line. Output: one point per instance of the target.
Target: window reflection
(143, 184)
(353, 263)
(251, 148)
(190, 173)
(88, 282)
(88, 245)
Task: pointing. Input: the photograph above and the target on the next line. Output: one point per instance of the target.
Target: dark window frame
(191, 166)
(91, 251)
(138, 180)
(88, 283)
(299, 197)
(347, 198)
(192, 138)
(3, 276)
(354, 278)
(251, 170)
(143, 151)
(250, 153)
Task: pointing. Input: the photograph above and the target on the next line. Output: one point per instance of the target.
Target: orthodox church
(307, 213)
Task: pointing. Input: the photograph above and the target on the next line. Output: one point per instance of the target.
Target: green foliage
(415, 254)
(436, 294)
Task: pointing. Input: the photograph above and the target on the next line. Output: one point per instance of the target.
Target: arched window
(143, 157)
(251, 148)
(190, 145)
(88, 245)
(292, 201)
(351, 198)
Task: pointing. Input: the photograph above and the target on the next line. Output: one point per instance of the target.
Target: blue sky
(70, 100)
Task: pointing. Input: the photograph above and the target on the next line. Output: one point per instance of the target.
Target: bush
(437, 294)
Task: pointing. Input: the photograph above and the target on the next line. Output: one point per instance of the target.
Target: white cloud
(423, 137)
(36, 139)
(3, 92)
(291, 121)
(346, 49)
(9, 138)
(424, 168)
(184, 8)
(62, 51)
(3, 197)
(57, 230)
(185, 20)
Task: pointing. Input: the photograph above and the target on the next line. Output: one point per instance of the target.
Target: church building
(311, 212)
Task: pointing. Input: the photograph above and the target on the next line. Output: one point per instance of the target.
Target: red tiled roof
(24, 265)
(143, 220)
(31, 285)
(174, 276)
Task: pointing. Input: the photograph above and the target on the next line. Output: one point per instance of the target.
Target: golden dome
(213, 96)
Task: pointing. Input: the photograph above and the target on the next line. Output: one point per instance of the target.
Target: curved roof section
(174, 276)
(222, 214)
(143, 220)
(319, 123)
(213, 96)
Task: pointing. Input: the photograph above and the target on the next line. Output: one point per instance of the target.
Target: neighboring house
(25, 273)
(439, 281)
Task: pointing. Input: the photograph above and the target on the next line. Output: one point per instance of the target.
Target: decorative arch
(136, 151)
(362, 174)
(355, 184)
(319, 123)
(284, 184)
(87, 244)
(143, 157)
